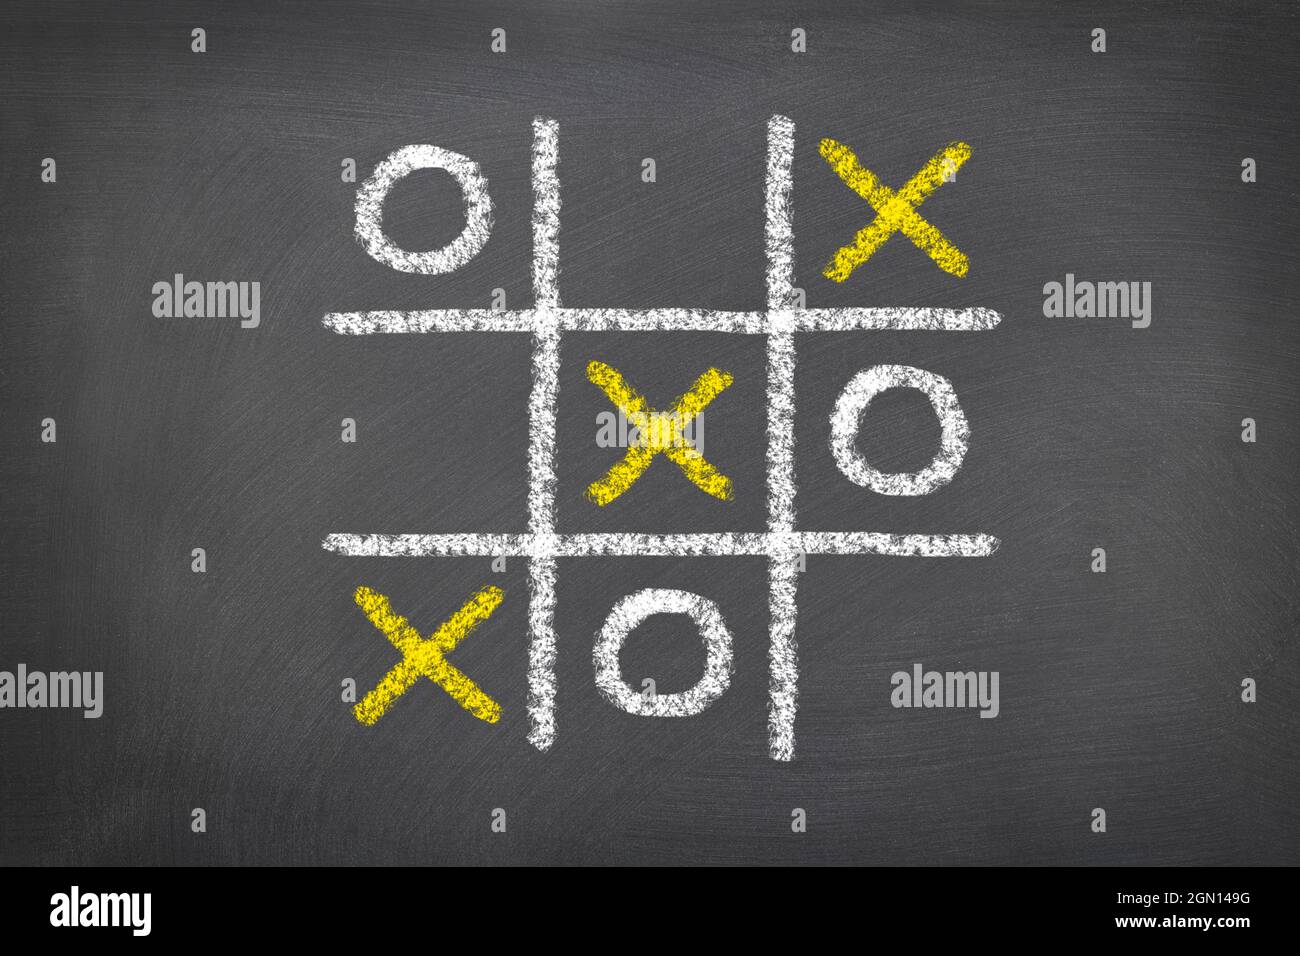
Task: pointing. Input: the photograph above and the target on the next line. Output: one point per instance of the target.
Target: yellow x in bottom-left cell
(421, 656)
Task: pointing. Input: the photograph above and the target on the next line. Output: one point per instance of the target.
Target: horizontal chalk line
(665, 320)
(768, 544)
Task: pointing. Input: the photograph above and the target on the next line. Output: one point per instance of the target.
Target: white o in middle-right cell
(847, 417)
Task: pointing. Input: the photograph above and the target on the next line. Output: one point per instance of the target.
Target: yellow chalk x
(895, 211)
(659, 433)
(425, 657)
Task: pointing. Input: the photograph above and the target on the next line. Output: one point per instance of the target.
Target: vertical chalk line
(783, 680)
(542, 405)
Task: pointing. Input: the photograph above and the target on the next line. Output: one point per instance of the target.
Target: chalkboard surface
(1160, 690)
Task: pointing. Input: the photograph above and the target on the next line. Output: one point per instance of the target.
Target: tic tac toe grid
(782, 544)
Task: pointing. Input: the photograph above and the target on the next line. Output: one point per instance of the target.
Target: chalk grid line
(781, 543)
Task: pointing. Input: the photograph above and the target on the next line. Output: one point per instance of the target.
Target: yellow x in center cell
(425, 657)
(659, 433)
(895, 211)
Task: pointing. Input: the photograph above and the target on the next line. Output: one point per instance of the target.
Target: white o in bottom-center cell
(631, 611)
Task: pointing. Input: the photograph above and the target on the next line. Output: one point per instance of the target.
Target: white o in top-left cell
(400, 163)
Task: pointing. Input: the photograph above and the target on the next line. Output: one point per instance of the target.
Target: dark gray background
(222, 690)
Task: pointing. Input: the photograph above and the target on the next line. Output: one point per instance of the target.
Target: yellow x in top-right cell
(895, 211)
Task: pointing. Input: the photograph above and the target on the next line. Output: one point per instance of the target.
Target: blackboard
(1160, 690)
